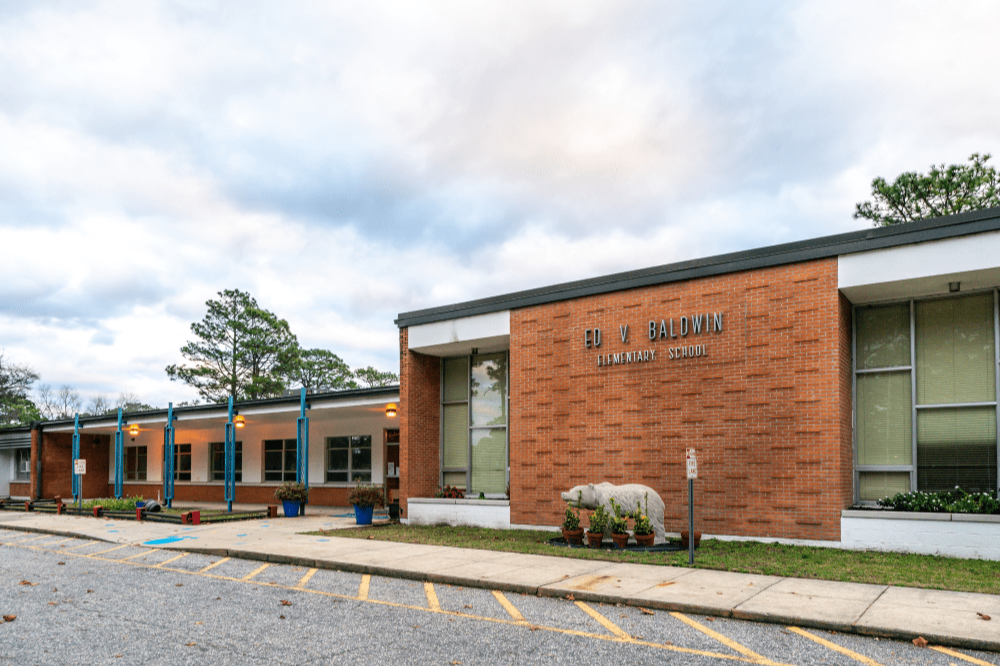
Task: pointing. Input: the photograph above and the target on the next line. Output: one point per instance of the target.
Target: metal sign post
(692, 474)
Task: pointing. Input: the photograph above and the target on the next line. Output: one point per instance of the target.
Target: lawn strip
(782, 560)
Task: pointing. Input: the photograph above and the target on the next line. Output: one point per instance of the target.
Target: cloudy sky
(345, 162)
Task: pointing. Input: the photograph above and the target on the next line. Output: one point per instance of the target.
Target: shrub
(292, 491)
(619, 522)
(450, 492)
(113, 504)
(643, 526)
(599, 520)
(572, 520)
(366, 495)
(957, 501)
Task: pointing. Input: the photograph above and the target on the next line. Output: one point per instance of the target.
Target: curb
(545, 591)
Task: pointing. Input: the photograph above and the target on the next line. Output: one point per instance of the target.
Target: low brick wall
(216, 493)
(20, 489)
(958, 535)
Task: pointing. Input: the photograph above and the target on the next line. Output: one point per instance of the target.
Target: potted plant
(571, 530)
(292, 495)
(619, 525)
(365, 498)
(598, 524)
(644, 535)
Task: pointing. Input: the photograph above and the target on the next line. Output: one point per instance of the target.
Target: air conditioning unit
(25, 466)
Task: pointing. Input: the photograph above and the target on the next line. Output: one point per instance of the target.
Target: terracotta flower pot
(645, 540)
(594, 540)
(573, 536)
(620, 539)
(684, 538)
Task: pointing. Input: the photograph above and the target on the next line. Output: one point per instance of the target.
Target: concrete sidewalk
(941, 617)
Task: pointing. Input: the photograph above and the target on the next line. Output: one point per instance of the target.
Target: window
(218, 461)
(925, 388)
(279, 460)
(135, 464)
(182, 463)
(23, 462)
(349, 458)
(474, 423)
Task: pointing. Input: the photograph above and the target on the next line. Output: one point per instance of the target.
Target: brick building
(810, 377)
(351, 435)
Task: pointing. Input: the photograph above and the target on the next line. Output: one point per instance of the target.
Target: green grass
(865, 567)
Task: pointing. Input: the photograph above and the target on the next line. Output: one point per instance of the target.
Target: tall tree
(945, 190)
(129, 402)
(16, 407)
(62, 404)
(320, 370)
(241, 351)
(370, 377)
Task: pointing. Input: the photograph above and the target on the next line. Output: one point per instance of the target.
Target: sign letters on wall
(664, 329)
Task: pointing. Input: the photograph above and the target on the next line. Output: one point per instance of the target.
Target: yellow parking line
(256, 572)
(516, 618)
(62, 539)
(614, 629)
(511, 609)
(79, 546)
(432, 598)
(305, 579)
(834, 647)
(960, 656)
(32, 539)
(209, 567)
(171, 560)
(739, 648)
(120, 546)
(145, 553)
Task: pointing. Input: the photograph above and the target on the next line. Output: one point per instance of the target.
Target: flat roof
(876, 238)
(327, 397)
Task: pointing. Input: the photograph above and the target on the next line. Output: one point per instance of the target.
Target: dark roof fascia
(391, 390)
(11, 430)
(877, 238)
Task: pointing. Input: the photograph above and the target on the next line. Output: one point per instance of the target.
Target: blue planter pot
(363, 515)
(139, 504)
(291, 507)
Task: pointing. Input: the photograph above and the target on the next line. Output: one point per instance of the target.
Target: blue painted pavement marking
(171, 540)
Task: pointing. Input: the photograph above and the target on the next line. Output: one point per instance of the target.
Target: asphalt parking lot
(90, 602)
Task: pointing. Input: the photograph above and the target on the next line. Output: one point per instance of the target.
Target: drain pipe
(36, 432)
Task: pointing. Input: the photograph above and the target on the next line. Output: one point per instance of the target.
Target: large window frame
(473, 428)
(134, 472)
(217, 461)
(917, 408)
(183, 456)
(288, 445)
(355, 444)
(20, 456)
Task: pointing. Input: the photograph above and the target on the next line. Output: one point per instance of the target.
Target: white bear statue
(590, 496)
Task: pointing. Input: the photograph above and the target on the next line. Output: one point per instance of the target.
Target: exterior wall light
(954, 287)
(133, 430)
(239, 421)
(390, 410)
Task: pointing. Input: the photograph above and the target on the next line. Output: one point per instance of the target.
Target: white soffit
(489, 332)
(921, 269)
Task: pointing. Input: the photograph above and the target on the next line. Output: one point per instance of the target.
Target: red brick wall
(768, 409)
(57, 464)
(20, 489)
(419, 425)
(35, 441)
(846, 476)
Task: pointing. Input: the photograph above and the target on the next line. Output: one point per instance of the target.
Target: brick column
(419, 423)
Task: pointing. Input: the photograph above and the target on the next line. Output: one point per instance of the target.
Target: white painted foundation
(458, 512)
(957, 535)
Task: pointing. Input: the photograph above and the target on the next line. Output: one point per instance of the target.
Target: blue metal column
(302, 443)
(169, 458)
(230, 458)
(77, 491)
(119, 457)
